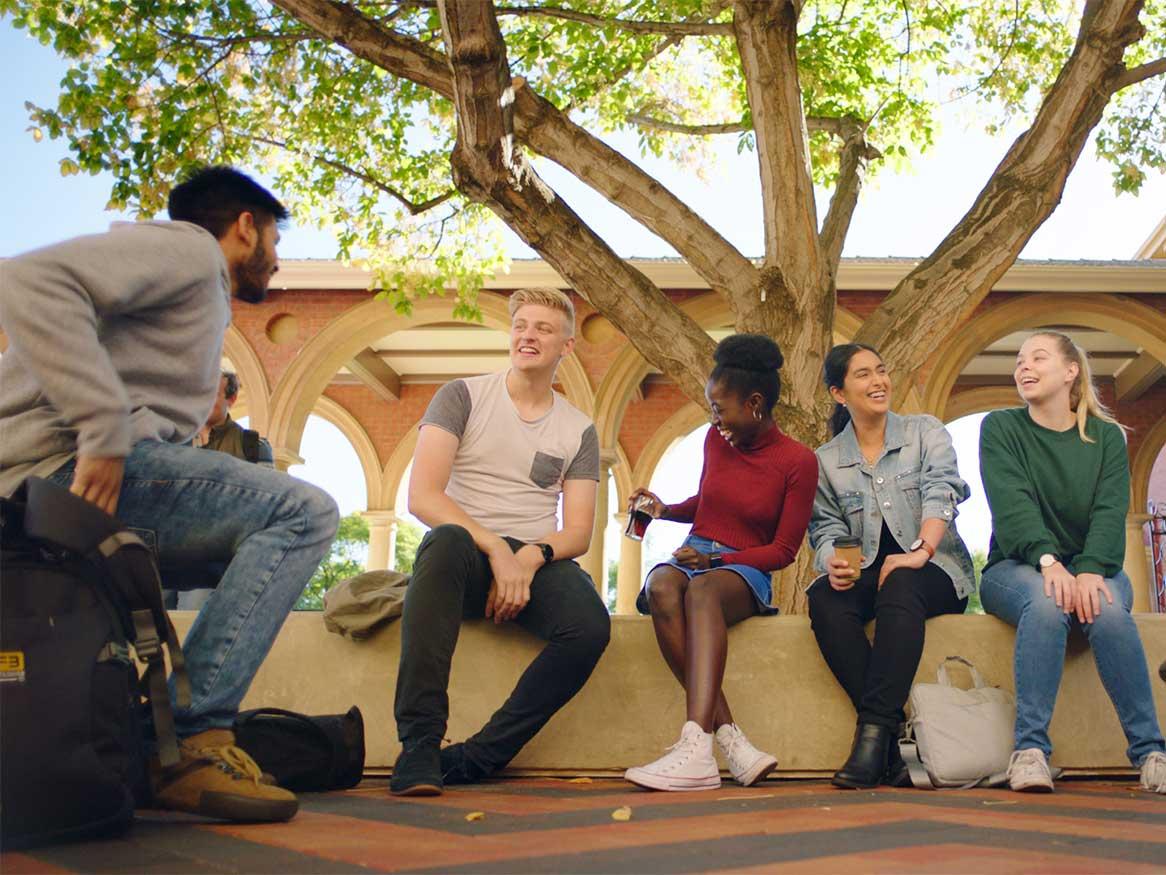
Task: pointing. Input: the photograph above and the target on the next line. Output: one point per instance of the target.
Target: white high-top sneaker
(748, 764)
(688, 765)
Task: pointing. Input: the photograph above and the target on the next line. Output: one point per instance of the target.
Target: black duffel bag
(78, 596)
(303, 753)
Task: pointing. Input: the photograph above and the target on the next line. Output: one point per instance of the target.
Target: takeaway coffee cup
(850, 549)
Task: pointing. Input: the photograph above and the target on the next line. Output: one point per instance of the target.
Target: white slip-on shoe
(1028, 772)
(688, 765)
(1154, 772)
(747, 764)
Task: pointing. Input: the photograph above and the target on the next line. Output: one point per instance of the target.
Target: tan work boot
(214, 778)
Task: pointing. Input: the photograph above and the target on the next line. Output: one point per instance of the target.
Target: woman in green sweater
(1057, 478)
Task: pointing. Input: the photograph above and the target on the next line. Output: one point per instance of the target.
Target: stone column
(382, 537)
(285, 458)
(593, 560)
(628, 580)
(1137, 564)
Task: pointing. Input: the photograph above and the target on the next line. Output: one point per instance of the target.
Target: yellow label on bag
(11, 666)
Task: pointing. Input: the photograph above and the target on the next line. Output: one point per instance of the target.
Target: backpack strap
(909, 750)
(134, 573)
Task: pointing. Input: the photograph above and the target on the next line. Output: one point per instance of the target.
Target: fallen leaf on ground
(476, 815)
(624, 813)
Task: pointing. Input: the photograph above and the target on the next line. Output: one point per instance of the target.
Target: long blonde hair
(1083, 398)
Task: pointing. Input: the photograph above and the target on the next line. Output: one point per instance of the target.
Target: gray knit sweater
(113, 339)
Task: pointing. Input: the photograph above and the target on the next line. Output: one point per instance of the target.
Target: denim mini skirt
(759, 582)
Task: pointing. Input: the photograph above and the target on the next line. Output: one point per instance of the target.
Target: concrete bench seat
(781, 692)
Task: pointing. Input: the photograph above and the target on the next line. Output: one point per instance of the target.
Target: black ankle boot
(868, 758)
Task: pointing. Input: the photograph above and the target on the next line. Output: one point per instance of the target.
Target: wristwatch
(548, 552)
(715, 560)
(920, 544)
(1047, 560)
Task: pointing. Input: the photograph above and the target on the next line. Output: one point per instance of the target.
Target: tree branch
(669, 28)
(552, 134)
(851, 164)
(843, 127)
(766, 39)
(659, 124)
(1140, 74)
(1023, 191)
(488, 168)
(391, 51)
(412, 206)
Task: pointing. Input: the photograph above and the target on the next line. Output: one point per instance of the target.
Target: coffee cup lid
(847, 541)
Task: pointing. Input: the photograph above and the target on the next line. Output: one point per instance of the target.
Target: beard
(252, 277)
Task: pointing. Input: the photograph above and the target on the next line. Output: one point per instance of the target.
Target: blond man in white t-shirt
(494, 455)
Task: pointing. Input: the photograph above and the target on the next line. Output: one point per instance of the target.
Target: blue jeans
(1015, 593)
(272, 529)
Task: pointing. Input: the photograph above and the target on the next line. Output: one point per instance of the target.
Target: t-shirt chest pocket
(546, 470)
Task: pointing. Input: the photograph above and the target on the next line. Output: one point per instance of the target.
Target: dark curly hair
(748, 363)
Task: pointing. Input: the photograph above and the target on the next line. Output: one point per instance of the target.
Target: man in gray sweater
(115, 342)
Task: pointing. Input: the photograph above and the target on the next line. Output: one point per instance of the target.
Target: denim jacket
(915, 478)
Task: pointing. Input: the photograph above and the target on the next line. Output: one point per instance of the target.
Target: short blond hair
(544, 296)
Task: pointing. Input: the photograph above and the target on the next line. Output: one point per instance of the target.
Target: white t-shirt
(508, 473)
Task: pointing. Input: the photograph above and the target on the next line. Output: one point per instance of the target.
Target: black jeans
(451, 578)
(878, 679)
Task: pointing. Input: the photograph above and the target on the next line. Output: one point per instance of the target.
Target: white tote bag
(959, 738)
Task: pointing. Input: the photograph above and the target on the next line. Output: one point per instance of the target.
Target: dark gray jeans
(451, 578)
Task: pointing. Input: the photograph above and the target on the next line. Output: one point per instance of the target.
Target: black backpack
(77, 592)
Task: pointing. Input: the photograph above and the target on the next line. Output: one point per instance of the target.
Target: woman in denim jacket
(892, 482)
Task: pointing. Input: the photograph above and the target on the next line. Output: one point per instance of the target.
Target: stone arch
(256, 392)
(397, 465)
(624, 480)
(335, 413)
(628, 370)
(675, 427)
(342, 338)
(1143, 464)
(979, 400)
(1122, 316)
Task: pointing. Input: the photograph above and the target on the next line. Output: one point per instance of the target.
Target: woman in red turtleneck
(749, 517)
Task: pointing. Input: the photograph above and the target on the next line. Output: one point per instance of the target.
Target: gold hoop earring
(757, 415)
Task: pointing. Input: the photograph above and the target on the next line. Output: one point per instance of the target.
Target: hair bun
(749, 352)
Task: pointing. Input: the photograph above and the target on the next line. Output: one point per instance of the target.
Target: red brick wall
(643, 418)
(385, 421)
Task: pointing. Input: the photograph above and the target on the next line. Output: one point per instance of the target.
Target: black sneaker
(417, 771)
(456, 768)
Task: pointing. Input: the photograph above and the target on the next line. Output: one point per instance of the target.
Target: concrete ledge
(779, 688)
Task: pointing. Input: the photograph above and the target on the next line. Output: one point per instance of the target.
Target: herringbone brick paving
(559, 826)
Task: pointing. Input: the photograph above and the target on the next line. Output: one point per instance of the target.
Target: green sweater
(1051, 492)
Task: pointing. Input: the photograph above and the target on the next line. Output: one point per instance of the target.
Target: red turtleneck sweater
(758, 500)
